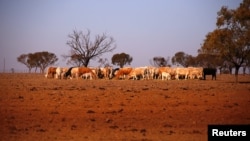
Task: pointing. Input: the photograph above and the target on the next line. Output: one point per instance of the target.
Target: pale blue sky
(141, 28)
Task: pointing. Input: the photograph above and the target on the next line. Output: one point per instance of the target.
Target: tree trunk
(236, 73)
(86, 62)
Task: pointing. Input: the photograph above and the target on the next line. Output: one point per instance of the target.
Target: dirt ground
(35, 108)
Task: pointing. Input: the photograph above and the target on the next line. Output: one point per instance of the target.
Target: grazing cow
(165, 76)
(51, 71)
(182, 72)
(79, 71)
(109, 72)
(151, 71)
(209, 71)
(195, 72)
(60, 72)
(113, 72)
(64, 70)
(171, 71)
(140, 72)
(72, 72)
(156, 73)
(87, 76)
(123, 72)
(83, 70)
(95, 70)
(105, 72)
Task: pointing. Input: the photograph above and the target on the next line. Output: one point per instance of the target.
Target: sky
(141, 28)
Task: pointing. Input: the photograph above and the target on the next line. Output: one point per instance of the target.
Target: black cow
(68, 73)
(113, 72)
(209, 71)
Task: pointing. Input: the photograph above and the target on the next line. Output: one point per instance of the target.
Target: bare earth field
(35, 108)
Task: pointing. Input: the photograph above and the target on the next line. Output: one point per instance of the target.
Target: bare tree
(82, 49)
(103, 62)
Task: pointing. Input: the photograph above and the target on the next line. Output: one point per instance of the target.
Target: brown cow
(122, 72)
(78, 72)
(83, 70)
(51, 71)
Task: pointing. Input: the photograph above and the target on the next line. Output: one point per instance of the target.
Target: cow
(182, 72)
(83, 70)
(79, 71)
(171, 71)
(209, 71)
(140, 72)
(123, 72)
(87, 76)
(151, 72)
(51, 71)
(105, 72)
(155, 73)
(95, 70)
(72, 72)
(64, 70)
(195, 72)
(165, 76)
(113, 72)
(60, 71)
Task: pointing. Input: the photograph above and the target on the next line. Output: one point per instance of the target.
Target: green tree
(82, 49)
(121, 59)
(231, 39)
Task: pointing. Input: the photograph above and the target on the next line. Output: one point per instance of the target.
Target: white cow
(58, 73)
(182, 72)
(87, 76)
(195, 72)
(165, 76)
(136, 73)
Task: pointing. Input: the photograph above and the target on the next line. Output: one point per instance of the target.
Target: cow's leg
(77, 75)
(186, 77)
(177, 76)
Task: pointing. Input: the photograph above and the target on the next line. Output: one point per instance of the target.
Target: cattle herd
(137, 73)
